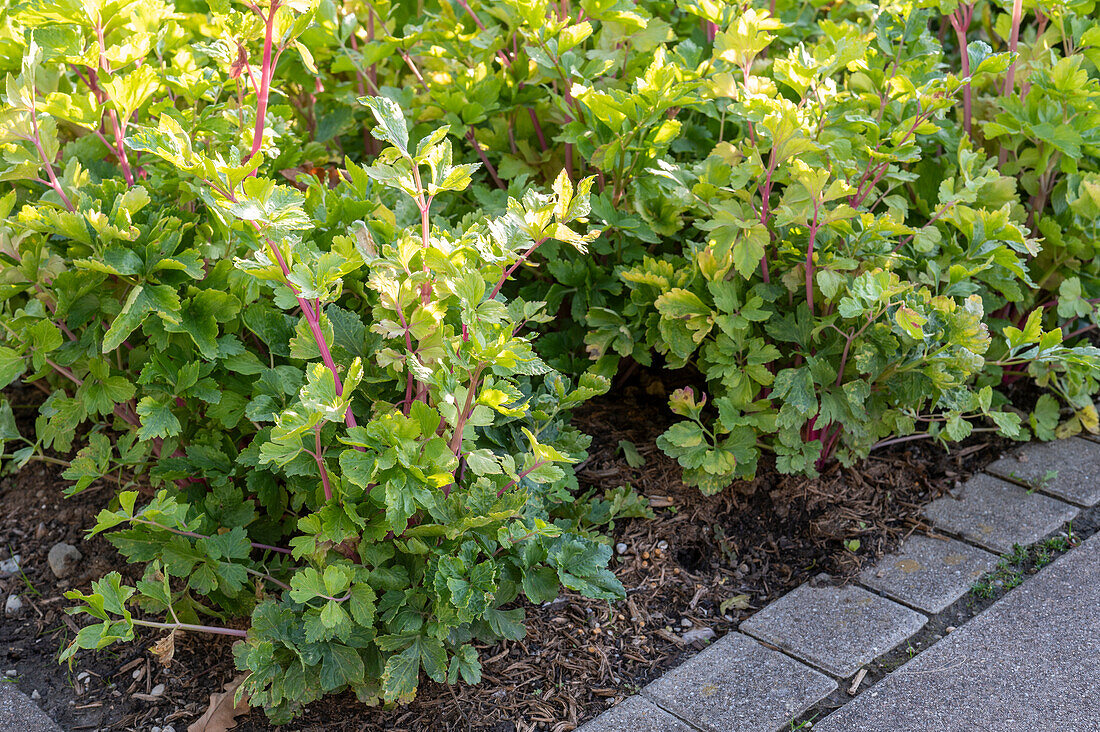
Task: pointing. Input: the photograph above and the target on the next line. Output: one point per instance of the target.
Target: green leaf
(391, 122)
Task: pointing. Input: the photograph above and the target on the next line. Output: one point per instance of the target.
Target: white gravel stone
(158, 690)
(13, 606)
(10, 565)
(698, 634)
(63, 559)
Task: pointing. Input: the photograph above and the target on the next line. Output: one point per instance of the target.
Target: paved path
(19, 714)
(1028, 663)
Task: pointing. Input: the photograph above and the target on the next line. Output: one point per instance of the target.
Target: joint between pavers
(770, 644)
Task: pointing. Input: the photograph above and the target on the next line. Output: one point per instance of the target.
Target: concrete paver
(929, 573)
(1030, 661)
(996, 514)
(837, 629)
(19, 714)
(1068, 469)
(635, 714)
(738, 684)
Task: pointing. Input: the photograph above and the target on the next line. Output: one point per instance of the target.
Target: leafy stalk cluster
(320, 409)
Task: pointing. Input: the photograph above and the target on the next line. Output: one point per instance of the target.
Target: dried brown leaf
(165, 649)
(222, 714)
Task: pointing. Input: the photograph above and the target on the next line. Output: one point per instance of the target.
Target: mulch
(703, 562)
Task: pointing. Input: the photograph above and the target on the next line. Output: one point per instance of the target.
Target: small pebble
(698, 634)
(158, 690)
(686, 623)
(82, 676)
(138, 672)
(13, 606)
(621, 548)
(63, 559)
(155, 729)
(35, 695)
(11, 672)
(168, 728)
(10, 566)
(949, 629)
(662, 545)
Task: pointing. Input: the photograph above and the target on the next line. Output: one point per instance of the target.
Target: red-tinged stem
(935, 217)
(37, 141)
(195, 535)
(520, 477)
(810, 259)
(313, 316)
(467, 409)
(266, 72)
(538, 128)
(319, 456)
(313, 319)
(268, 577)
(196, 628)
(119, 128)
(1082, 330)
(960, 21)
(485, 160)
(416, 71)
(409, 378)
(1013, 43)
(508, 272)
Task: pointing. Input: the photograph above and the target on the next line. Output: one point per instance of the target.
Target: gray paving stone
(837, 629)
(997, 514)
(1069, 469)
(1028, 663)
(929, 574)
(19, 714)
(635, 714)
(738, 684)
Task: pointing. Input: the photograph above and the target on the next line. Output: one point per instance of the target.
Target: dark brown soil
(742, 547)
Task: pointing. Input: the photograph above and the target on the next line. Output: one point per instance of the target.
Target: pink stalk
(197, 628)
(37, 141)
(810, 259)
(319, 456)
(1010, 75)
(1013, 44)
(266, 73)
(119, 128)
(520, 477)
(508, 272)
(313, 319)
(195, 535)
(960, 21)
(313, 315)
(485, 160)
(467, 409)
